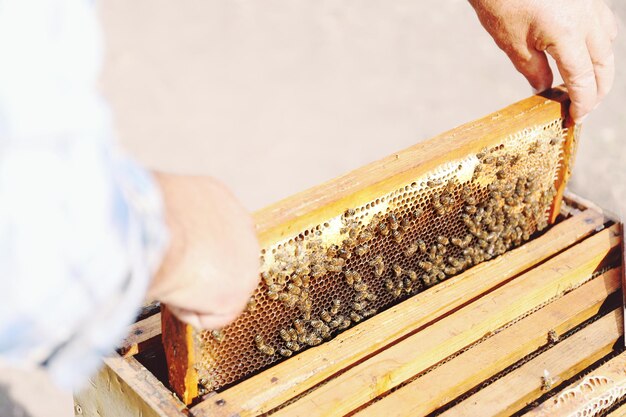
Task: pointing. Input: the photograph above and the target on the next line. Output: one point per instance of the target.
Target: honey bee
(313, 339)
(335, 307)
(370, 296)
(293, 346)
(397, 270)
(293, 335)
(410, 250)
(284, 334)
(383, 229)
(412, 275)
(345, 323)
(355, 317)
(397, 236)
(344, 253)
(251, 305)
(285, 352)
(454, 262)
(358, 306)
(389, 285)
(218, 335)
(404, 224)
(379, 266)
(316, 324)
(365, 236)
(361, 249)
(442, 240)
(360, 296)
(325, 316)
(273, 295)
(318, 270)
(258, 340)
(349, 212)
(369, 312)
(360, 287)
(268, 350)
(299, 325)
(293, 289)
(449, 271)
(393, 221)
(421, 246)
(334, 323)
(425, 265)
(349, 276)
(417, 213)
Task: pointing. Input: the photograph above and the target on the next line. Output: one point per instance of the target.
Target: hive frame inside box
(126, 387)
(525, 139)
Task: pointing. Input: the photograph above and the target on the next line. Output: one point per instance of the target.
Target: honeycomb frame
(341, 252)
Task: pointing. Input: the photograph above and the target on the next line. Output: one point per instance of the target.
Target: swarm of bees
(384, 255)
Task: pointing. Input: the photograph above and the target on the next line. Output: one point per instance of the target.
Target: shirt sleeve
(81, 226)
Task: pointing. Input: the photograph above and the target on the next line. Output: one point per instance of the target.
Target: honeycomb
(330, 277)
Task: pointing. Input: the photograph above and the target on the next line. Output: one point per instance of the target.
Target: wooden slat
(420, 351)
(620, 412)
(285, 380)
(515, 390)
(565, 171)
(604, 386)
(469, 369)
(178, 343)
(314, 206)
(140, 334)
(123, 387)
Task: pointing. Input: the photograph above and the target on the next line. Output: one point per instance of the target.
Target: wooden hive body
(426, 348)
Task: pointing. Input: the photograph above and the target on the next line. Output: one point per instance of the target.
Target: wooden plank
(515, 390)
(595, 392)
(400, 362)
(178, 343)
(123, 387)
(141, 334)
(285, 380)
(314, 206)
(459, 375)
(565, 172)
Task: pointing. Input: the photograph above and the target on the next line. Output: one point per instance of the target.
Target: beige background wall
(276, 96)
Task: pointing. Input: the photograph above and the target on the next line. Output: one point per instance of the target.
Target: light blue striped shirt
(81, 226)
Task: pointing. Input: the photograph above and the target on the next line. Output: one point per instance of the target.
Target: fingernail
(535, 91)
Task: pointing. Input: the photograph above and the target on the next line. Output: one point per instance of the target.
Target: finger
(533, 65)
(576, 68)
(603, 59)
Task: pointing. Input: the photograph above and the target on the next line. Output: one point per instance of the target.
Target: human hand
(578, 34)
(212, 265)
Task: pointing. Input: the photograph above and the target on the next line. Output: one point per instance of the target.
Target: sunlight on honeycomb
(336, 274)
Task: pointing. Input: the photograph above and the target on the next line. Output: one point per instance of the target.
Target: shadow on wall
(8, 406)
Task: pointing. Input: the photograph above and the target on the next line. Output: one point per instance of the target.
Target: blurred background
(277, 96)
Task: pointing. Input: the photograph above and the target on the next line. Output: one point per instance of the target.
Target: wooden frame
(293, 215)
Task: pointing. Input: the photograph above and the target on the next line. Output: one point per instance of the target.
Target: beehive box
(444, 315)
